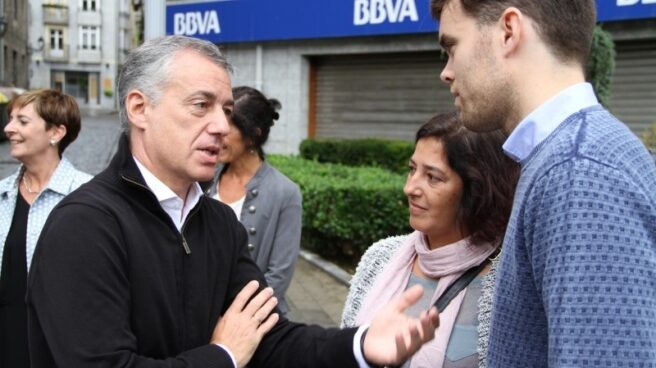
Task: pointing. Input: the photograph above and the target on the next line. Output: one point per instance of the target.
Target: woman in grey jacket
(267, 203)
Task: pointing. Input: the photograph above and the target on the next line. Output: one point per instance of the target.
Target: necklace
(26, 184)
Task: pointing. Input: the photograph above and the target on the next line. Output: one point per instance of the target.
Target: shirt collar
(59, 182)
(173, 205)
(544, 120)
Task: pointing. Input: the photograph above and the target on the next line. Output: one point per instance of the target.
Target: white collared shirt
(544, 120)
(174, 206)
(65, 179)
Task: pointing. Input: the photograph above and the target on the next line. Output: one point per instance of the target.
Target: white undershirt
(236, 206)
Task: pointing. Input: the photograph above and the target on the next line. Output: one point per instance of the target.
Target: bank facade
(370, 68)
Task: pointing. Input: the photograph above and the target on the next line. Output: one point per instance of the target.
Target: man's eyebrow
(206, 94)
(210, 96)
(446, 41)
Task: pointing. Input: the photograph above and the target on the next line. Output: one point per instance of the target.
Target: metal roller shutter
(378, 95)
(633, 98)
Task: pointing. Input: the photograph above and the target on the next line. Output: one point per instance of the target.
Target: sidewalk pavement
(317, 292)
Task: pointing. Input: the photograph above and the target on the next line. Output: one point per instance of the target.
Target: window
(56, 43)
(89, 38)
(5, 57)
(90, 5)
(14, 68)
(123, 40)
(56, 39)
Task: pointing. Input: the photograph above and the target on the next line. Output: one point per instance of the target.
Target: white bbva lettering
(379, 11)
(634, 2)
(360, 12)
(191, 23)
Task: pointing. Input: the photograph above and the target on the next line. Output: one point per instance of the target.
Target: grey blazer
(272, 215)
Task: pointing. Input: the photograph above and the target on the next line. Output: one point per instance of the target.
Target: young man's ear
(136, 106)
(510, 24)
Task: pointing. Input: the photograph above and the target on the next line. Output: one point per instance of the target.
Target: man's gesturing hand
(393, 337)
(244, 324)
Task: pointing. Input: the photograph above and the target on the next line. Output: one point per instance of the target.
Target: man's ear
(510, 23)
(136, 106)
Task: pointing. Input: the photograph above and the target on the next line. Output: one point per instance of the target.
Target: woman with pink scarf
(460, 188)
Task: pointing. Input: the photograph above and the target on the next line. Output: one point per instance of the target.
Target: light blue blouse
(64, 180)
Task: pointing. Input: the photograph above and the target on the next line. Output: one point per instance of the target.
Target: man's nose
(447, 73)
(219, 123)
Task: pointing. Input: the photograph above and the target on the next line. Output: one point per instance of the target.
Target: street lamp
(40, 44)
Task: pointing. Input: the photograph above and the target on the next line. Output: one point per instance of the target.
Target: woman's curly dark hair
(489, 176)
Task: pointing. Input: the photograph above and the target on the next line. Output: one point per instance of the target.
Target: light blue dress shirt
(542, 121)
(64, 180)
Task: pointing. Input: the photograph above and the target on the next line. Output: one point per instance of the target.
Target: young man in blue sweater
(576, 283)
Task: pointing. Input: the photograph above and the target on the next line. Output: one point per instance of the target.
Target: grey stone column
(154, 18)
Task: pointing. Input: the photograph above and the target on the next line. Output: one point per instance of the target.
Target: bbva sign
(196, 23)
(380, 11)
(634, 2)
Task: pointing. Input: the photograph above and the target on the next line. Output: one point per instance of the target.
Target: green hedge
(601, 64)
(649, 138)
(346, 209)
(389, 154)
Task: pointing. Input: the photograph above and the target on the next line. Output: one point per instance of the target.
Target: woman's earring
(53, 142)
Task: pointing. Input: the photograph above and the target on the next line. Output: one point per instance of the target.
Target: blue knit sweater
(576, 286)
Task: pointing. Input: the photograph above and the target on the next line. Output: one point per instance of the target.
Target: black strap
(461, 283)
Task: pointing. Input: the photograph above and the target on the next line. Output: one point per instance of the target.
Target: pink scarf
(445, 263)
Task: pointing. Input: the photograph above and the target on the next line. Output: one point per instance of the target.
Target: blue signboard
(226, 21)
(614, 10)
(260, 20)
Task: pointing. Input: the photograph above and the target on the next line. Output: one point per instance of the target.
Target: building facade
(13, 43)
(370, 68)
(78, 47)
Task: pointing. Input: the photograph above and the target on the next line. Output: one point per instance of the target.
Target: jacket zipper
(184, 240)
(185, 246)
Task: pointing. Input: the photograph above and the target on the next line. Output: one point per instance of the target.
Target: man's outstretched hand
(393, 337)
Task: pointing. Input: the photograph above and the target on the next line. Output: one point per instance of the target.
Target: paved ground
(314, 296)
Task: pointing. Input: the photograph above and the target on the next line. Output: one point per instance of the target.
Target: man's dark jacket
(111, 284)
